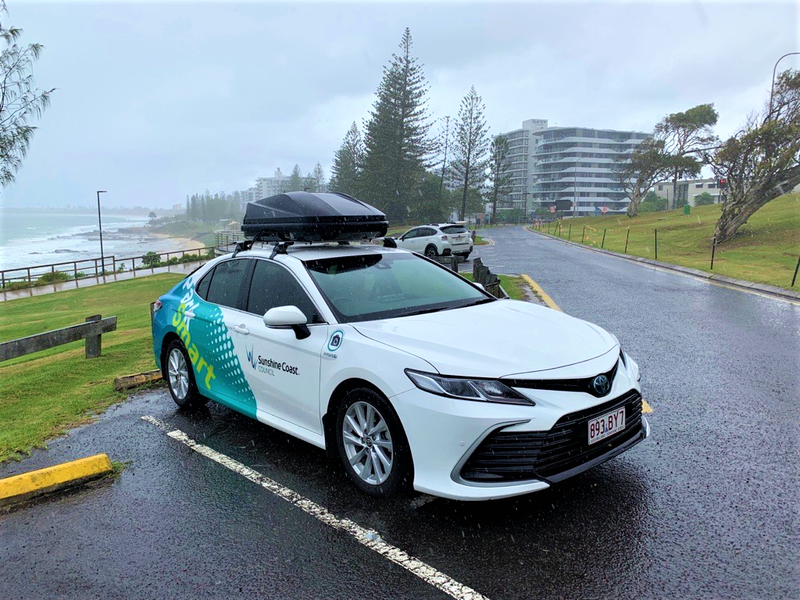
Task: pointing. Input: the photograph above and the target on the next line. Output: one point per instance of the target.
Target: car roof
(306, 252)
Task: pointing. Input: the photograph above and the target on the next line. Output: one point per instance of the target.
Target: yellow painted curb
(28, 485)
(537, 289)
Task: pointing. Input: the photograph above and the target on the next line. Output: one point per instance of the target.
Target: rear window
(454, 229)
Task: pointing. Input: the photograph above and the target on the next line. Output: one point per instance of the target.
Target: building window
(660, 188)
(698, 185)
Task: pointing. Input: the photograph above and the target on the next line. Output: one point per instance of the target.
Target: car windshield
(381, 286)
(454, 229)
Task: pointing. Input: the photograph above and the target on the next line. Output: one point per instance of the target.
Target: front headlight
(482, 390)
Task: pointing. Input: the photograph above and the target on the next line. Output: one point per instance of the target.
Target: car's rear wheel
(372, 444)
(431, 251)
(180, 377)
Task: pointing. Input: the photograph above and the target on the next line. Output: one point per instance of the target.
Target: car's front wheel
(372, 444)
(180, 377)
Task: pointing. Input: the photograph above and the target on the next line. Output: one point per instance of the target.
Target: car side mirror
(288, 316)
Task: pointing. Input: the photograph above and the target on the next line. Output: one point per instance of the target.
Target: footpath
(90, 281)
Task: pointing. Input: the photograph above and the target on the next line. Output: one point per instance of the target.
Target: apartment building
(575, 169)
(687, 190)
(572, 169)
(520, 161)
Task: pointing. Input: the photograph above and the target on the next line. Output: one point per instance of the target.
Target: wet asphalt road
(706, 508)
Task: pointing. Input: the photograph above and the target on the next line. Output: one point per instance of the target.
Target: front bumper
(446, 435)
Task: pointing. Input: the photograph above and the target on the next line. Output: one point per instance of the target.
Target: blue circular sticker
(335, 340)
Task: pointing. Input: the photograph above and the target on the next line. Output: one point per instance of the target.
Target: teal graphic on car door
(218, 372)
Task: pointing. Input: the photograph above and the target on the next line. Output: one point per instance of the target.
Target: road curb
(126, 382)
(538, 291)
(730, 281)
(25, 486)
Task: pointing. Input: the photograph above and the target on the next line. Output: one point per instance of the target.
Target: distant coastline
(30, 239)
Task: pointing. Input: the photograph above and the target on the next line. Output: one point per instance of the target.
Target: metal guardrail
(91, 331)
(93, 267)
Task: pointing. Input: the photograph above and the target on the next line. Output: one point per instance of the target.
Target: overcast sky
(159, 100)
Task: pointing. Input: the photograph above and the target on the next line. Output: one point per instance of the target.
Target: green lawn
(765, 250)
(46, 393)
(514, 285)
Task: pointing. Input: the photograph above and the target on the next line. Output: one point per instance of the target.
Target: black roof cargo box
(306, 217)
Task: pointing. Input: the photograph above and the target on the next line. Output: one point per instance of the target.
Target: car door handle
(240, 329)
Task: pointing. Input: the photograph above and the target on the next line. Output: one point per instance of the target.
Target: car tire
(431, 251)
(179, 374)
(365, 457)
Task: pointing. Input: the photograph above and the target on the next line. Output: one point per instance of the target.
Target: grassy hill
(765, 250)
(46, 393)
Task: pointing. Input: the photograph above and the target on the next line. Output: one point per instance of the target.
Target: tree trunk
(736, 209)
(633, 207)
(466, 189)
(674, 202)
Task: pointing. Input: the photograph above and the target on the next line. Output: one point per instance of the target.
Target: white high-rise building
(570, 168)
(270, 186)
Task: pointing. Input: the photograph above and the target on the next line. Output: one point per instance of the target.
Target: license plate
(607, 425)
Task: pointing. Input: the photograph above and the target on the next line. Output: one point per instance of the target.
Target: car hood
(496, 339)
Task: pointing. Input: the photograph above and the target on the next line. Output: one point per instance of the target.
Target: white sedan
(410, 374)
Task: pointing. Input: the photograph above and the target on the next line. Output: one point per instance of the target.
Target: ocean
(28, 239)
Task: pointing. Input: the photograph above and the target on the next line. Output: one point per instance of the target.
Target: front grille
(514, 456)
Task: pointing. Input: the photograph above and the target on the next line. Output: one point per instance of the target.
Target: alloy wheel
(178, 373)
(367, 443)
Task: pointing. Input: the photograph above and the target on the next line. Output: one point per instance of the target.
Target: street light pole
(774, 71)
(100, 225)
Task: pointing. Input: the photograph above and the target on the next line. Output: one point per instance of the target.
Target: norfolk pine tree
(319, 177)
(348, 162)
(396, 135)
(296, 180)
(499, 176)
(470, 146)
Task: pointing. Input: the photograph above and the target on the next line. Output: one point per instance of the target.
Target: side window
(411, 234)
(202, 287)
(226, 282)
(273, 285)
(427, 232)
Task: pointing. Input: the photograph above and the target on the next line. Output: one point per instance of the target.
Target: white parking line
(366, 537)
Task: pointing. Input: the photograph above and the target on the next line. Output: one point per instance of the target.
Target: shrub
(52, 277)
(151, 259)
(703, 199)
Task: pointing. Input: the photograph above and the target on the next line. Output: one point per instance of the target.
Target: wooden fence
(490, 282)
(91, 331)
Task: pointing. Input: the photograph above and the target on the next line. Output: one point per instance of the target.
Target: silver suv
(437, 239)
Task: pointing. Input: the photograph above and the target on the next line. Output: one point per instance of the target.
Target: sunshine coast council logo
(335, 341)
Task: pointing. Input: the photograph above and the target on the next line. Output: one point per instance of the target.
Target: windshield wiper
(481, 301)
(433, 310)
